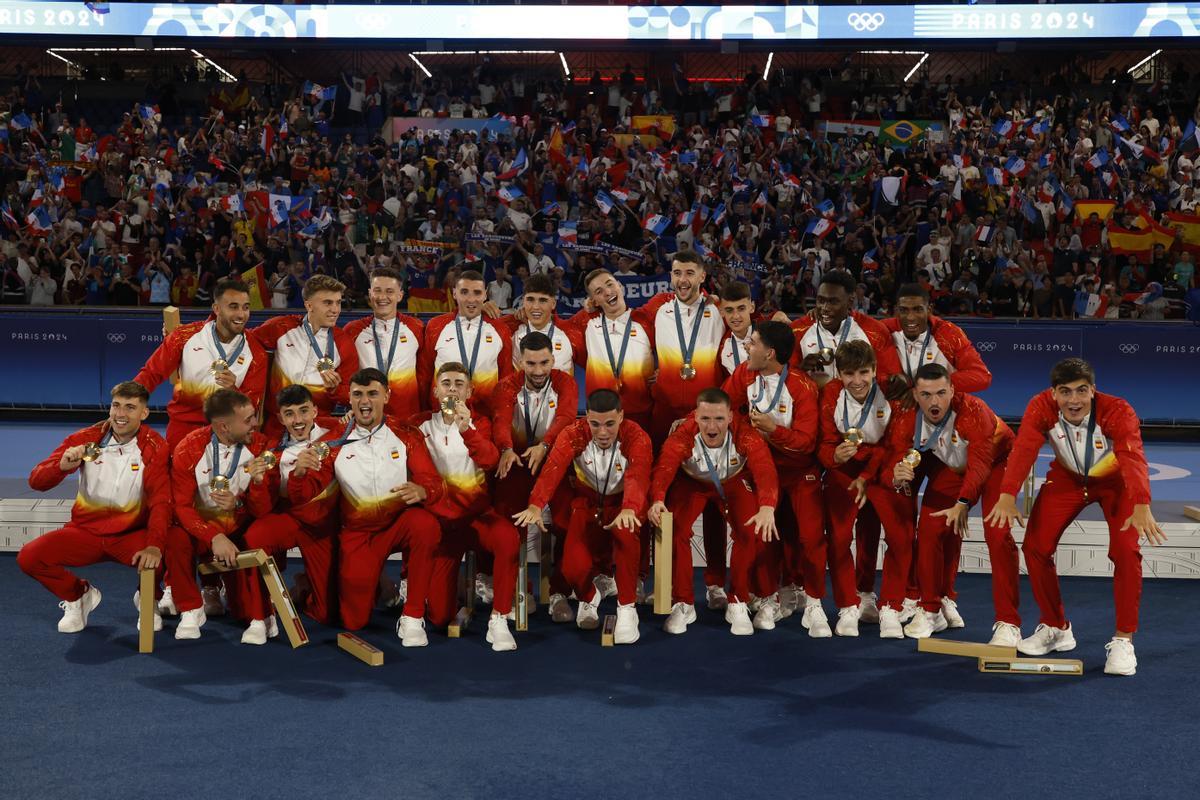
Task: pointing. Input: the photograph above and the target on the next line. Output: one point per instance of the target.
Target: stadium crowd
(1051, 203)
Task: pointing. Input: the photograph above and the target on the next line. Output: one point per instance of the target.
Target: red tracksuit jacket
(286, 490)
(441, 345)
(639, 361)
(567, 341)
(190, 472)
(950, 347)
(463, 459)
(295, 361)
(407, 395)
(508, 423)
(886, 360)
(794, 442)
(126, 488)
(635, 458)
(870, 455)
(670, 388)
(748, 445)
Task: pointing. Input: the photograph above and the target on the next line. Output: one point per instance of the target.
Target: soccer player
(310, 349)
(611, 457)
(537, 316)
(1098, 458)
(959, 446)
(737, 309)
(390, 342)
(122, 512)
(211, 355)
(533, 406)
(217, 486)
(467, 337)
(832, 324)
(713, 452)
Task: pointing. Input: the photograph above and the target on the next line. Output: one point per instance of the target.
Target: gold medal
(324, 364)
(448, 405)
(687, 372)
(854, 436)
(913, 458)
(827, 355)
(270, 459)
(91, 451)
(218, 483)
(218, 365)
(321, 449)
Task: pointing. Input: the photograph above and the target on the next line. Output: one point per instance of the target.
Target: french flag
(1090, 304)
(517, 168)
(869, 261)
(1046, 161)
(826, 208)
(995, 176)
(149, 113)
(700, 215)
(6, 214)
(656, 224)
(604, 202)
(956, 194)
(39, 220)
(267, 139)
(1098, 159)
(1046, 192)
(568, 233)
(1005, 128)
(1016, 166)
(685, 217)
(704, 252)
(761, 200)
(509, 193)
(819, 228)
(762, 120)
(1066, 207)
(1120, 124)
(21, 122)
(549, 209)
(726, 237)
(718, 215)
(985, 233)
(1040, 126)
(961, 161)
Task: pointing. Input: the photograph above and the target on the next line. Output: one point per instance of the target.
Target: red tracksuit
(566, 340)
(468, 520)
(967, 460)
(600, 477)
(1118, 480)
(793, 445)
(406, 397)
(191, 350)
(856, 327)
(687, 495)
(634, 383)
(441, 345)
(295, 362)
(123, 506)
(195, 513)
(307, 523)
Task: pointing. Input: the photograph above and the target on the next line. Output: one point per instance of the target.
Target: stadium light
(767, 68)
(214, 64)
(566, 69)
(1143, 61)
(891, 52)
(417, 61)
(913, 71)
(66, 61)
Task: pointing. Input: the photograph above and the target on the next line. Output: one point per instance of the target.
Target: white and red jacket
(191, 349)
(463, 459)
(406, 392)
(622, 470)
(442, 345)
(289, 496)
(550, 411)
(972, 442)
(567, 340)
(368, 467)
(943, 343)
(296, 361)
(836, 406)
(733, 351)
(670, 387)
(810, 338)
(126, 488)
(684, 448)
(1116, 444)
(794, 441)
(636, 369)
(192, 469)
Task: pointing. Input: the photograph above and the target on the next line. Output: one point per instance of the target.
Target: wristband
(965, 501)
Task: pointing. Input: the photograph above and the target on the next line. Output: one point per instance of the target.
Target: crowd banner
(70, 359)
(395, 127)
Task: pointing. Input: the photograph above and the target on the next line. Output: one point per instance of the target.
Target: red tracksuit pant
(896, 511)
(687, 499)
(489, 532)
(363, 554)
(939, 546)
(588, 545)
(47, 557)
(239, 603)
(841, 512)
(1058, 502)
(279, 532)
(512, 496)
(867, 529)
(803, 553)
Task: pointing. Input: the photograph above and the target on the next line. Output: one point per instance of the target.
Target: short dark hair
(713, 394)
(224, 402)
(229, 285)
(388, 272)
(295, 395)
(913, 290)
(603, 400)
(735, 290)
(540, 284)
(131, 390)
(468, 275)
(931, 372)
(689, 257)
(1070, 370)
(452, 366)
(536, 340)
(368, 375)
(599, 272)
(777, 336)
(853, 356)
(840, 278)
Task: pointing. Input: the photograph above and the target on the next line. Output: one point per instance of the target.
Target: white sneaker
(889, 624)
(157, 622)
(627, 625)
(1005, 634)
(908, 609)
(411, 631)
(717, 599)
(790, 598)
(1047, 640)
(767, 615)
(847, 624)
(137, 603)
(682, 615)
(483, 588)
(190, 623)
(560, 609)
(606, 585)
(75, 612)
(868, 608)
(815, 620)
(498, 634)
(587, 616)
(214, 600)
(950, 612)
(1121, 660)
(924, 624)
(738, 617)
(256, 632)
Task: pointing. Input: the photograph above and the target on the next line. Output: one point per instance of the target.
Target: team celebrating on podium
(798, 446)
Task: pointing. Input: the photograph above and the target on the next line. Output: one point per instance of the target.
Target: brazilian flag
(907, 132)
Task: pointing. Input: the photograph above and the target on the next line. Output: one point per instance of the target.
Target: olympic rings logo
(865, 21)
(1129, 349)
(116, 338)
(986, 347)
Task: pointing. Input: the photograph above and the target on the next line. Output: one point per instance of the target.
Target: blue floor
(701, 715)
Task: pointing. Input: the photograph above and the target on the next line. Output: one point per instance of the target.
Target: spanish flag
(556, 151)
(1125, 242)
(1085, 208)
(1160, 234)
(256, 279)
(429, 301)
(1189, 224)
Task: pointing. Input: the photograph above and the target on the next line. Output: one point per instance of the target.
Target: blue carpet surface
(699, 715)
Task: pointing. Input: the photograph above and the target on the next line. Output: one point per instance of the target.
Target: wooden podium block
(662, 564)
(1192, 512)
(282, 601)
(947, 647)
(1031, 666)
(146, 601)
(170, 323)
(361, 649)
(609, 628)
(545, 565)
(521, 597)
(247, 559)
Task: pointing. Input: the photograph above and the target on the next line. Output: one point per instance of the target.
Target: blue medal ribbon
(908, 368)
(931, 442)
(312, 340)
(841, 339)
(866, 409)
(713, 475)
(688, 349)
(617, 365)
(1086, 466)
(384, 366)
(216, 459)
(762, 391)
(237, 351)
(462, 345)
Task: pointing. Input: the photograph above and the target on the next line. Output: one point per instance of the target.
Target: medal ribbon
(531, 424)
(762, 390)
(908, 368)
(312, 340)
(845, 331)
(385, 366)
(931, 442)
(614, 364)
(1088, 454)
(866, 409)
(690, 348)
(216, 459)
(237, 351)
(713, 475)
(462, 346)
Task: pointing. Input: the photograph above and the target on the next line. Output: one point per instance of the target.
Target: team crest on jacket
(733, 461)
(403, 339)
(558, 345)
(488, 339)
(241, 360)
(783, 408)
(619, 468)
(954, 438)
(134, 467)
(879, 413)
(395, 455)
(550, 404)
